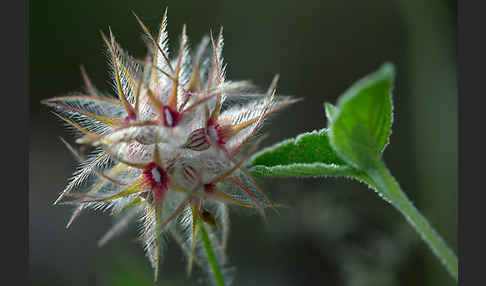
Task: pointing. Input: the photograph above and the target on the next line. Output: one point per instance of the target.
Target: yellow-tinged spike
(221, 196)
(121, 95)
(248, 191)
(246, 171)
(254, 128)
(225, 198)
(217, 108)
(101, 174)
(156, 43)
(211, 94)
(218, 71)
(118, 168)
(199, 102)
(105, 99)
(238, 127)
(165, 73)
(92, 139)
(79, 128)
(157, 68)
(158, 105)
(253, 147)
(83, 172)
(136, 84)
(250, 177)
(159, 37)
(109, 121)
(220, 177)
(139, 88)
(135, 187)
(116, 65)
(173, 96)
(273, 85)
(131, 81)
(155, 101)
(138, 123)
(86, 80)
(194, 82)
(80, 195)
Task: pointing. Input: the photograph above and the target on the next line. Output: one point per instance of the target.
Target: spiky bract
(168, 147)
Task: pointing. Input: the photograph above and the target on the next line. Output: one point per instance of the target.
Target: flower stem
(218, 277)
(385, 184)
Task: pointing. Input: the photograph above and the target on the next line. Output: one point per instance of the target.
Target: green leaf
(309, 154)
(361, 123)
(359, 130)
(331, 110)
(309, 147)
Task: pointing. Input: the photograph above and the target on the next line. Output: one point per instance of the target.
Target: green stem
(218, 277)
(382, 180)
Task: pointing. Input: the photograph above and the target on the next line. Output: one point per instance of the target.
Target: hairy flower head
(169, 147)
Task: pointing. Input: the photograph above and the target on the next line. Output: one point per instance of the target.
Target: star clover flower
(169, 147)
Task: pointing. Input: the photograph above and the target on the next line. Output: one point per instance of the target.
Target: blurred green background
(336, 232)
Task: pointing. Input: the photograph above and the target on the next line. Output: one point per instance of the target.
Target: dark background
(337, 232)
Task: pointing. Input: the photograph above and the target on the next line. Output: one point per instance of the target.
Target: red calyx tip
(156, 177)
(170, 116)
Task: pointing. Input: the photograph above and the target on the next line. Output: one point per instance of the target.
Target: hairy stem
(208, 248)
(385, 184)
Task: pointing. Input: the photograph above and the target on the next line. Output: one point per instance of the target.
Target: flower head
(170, 146)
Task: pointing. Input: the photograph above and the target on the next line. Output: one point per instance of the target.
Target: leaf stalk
(385, 184)
(208, 248)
